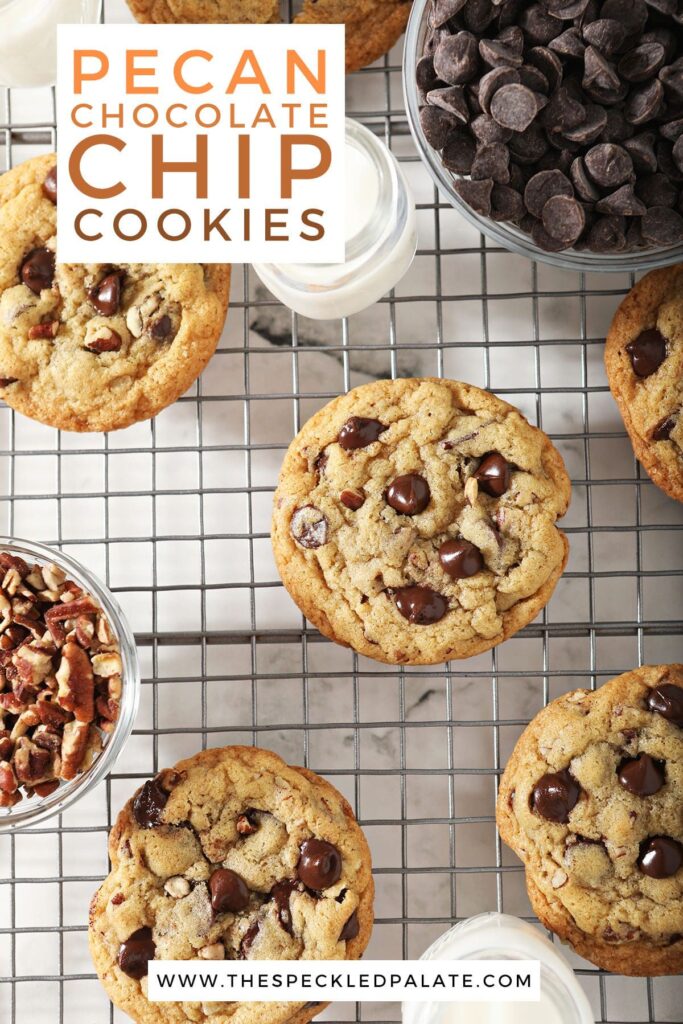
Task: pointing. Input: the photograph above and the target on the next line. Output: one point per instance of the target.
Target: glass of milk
(28, 37)
(502, 937)
(380, 236)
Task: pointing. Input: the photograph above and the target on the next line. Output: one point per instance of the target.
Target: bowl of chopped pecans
(69, 682)
(555, 128)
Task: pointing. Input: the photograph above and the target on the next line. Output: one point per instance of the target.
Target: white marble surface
(375, 732)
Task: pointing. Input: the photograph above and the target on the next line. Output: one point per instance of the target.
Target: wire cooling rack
(174, 514)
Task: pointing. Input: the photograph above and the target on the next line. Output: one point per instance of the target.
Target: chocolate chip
(662, 226)
(149, 803)
(498, 55)
(564, 219)
(514, 106)
(352, 499)
(605, 34)
(647, 352)
(660, 857)
(476, 194)
(280, 894)
(656, 190)
(38, 270)
(491, 161)
(563, 112)
(538, 25)
(600, 78)
(555, 795)
(622, 202)
(607, 235)
(106, 296)
(451, 99)
(229, 892)
(425, 74)
(479, 14)
(542, 186)
(662, 431)
(456, 59)
(642, 775)
(642, 62)
(492, 81)
(590, 129)
(309, 527)
(161, 328)
(460, 559)
(568, 44)
(436, 124)
(548, 63)
(443, 10)
(458, 153)
(6, 381)
(320, 864)
(421, 606)
(493, 474)
(632, 14)
(50, 185)
(645, 103)
(408, 494)
(608, 165)
(528, 147)
(359, 432)
(136, 952)
(485, 130)
(248, 939)
(641, 150)
(667, 700)
(583, 186)
(506, 204)
(351, 928)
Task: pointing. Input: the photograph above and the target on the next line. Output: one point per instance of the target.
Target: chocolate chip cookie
(230, 855)
(414, 520)
(91, 346)
(193, 12)
(591, 801)
(372, 26)
(644, 361)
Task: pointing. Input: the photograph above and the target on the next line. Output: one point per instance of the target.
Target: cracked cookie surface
(232, 854)
(89, 346)
(644, 362)
(591, 802)
(414, 520)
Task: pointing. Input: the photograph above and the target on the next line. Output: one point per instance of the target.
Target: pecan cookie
(592, 802)
(230, 855)
(193, 12)
(414, 520)
(644, 361)
(87, 346)
(372, 26)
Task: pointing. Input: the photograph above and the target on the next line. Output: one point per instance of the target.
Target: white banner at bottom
(269, 981)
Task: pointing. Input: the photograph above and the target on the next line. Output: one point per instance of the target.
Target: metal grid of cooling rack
(174, 515)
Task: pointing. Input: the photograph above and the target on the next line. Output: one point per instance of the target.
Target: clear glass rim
(502, 233)
(15, 818)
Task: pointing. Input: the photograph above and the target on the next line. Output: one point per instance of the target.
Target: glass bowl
(504, 233)
(31, 810)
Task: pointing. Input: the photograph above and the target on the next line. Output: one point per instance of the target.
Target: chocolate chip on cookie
(352, 499)
(106, 295)
(351, 929)
(309, 527)
(667, 700)
(460, 559)
(493, 474)
(320, 864)
(408, 494)
(421, 606)
(555, 796)
(50, 185)
(228, 891)
(280, 894)
(359, 432)
(136, 952)
(642, 775)
(647, 352)
(661, 857)
(38, 269)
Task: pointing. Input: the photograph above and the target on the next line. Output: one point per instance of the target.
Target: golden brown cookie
(162, 12)
(415, 519)
(92, 346)
(232, 854)
(372, 26)
(592, 802)
(644, 362)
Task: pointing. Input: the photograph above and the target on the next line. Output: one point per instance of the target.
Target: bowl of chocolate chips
(69, 682)
(555, 126)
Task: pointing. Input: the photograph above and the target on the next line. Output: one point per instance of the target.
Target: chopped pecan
(46, 330)
(53, 576)
(33, 764)
(26, 720)
(107, 664)
(80, 745)
(33, 662)
(10, 561)
(8, 780)
(106, 340)
(76, 683)
(245, 826)
(51, 714)
(84, 631)
(107, 709)
(105, 634)
(11, 703)
(6, 745)
(45, 788)
(10, 799)
(48, 737)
